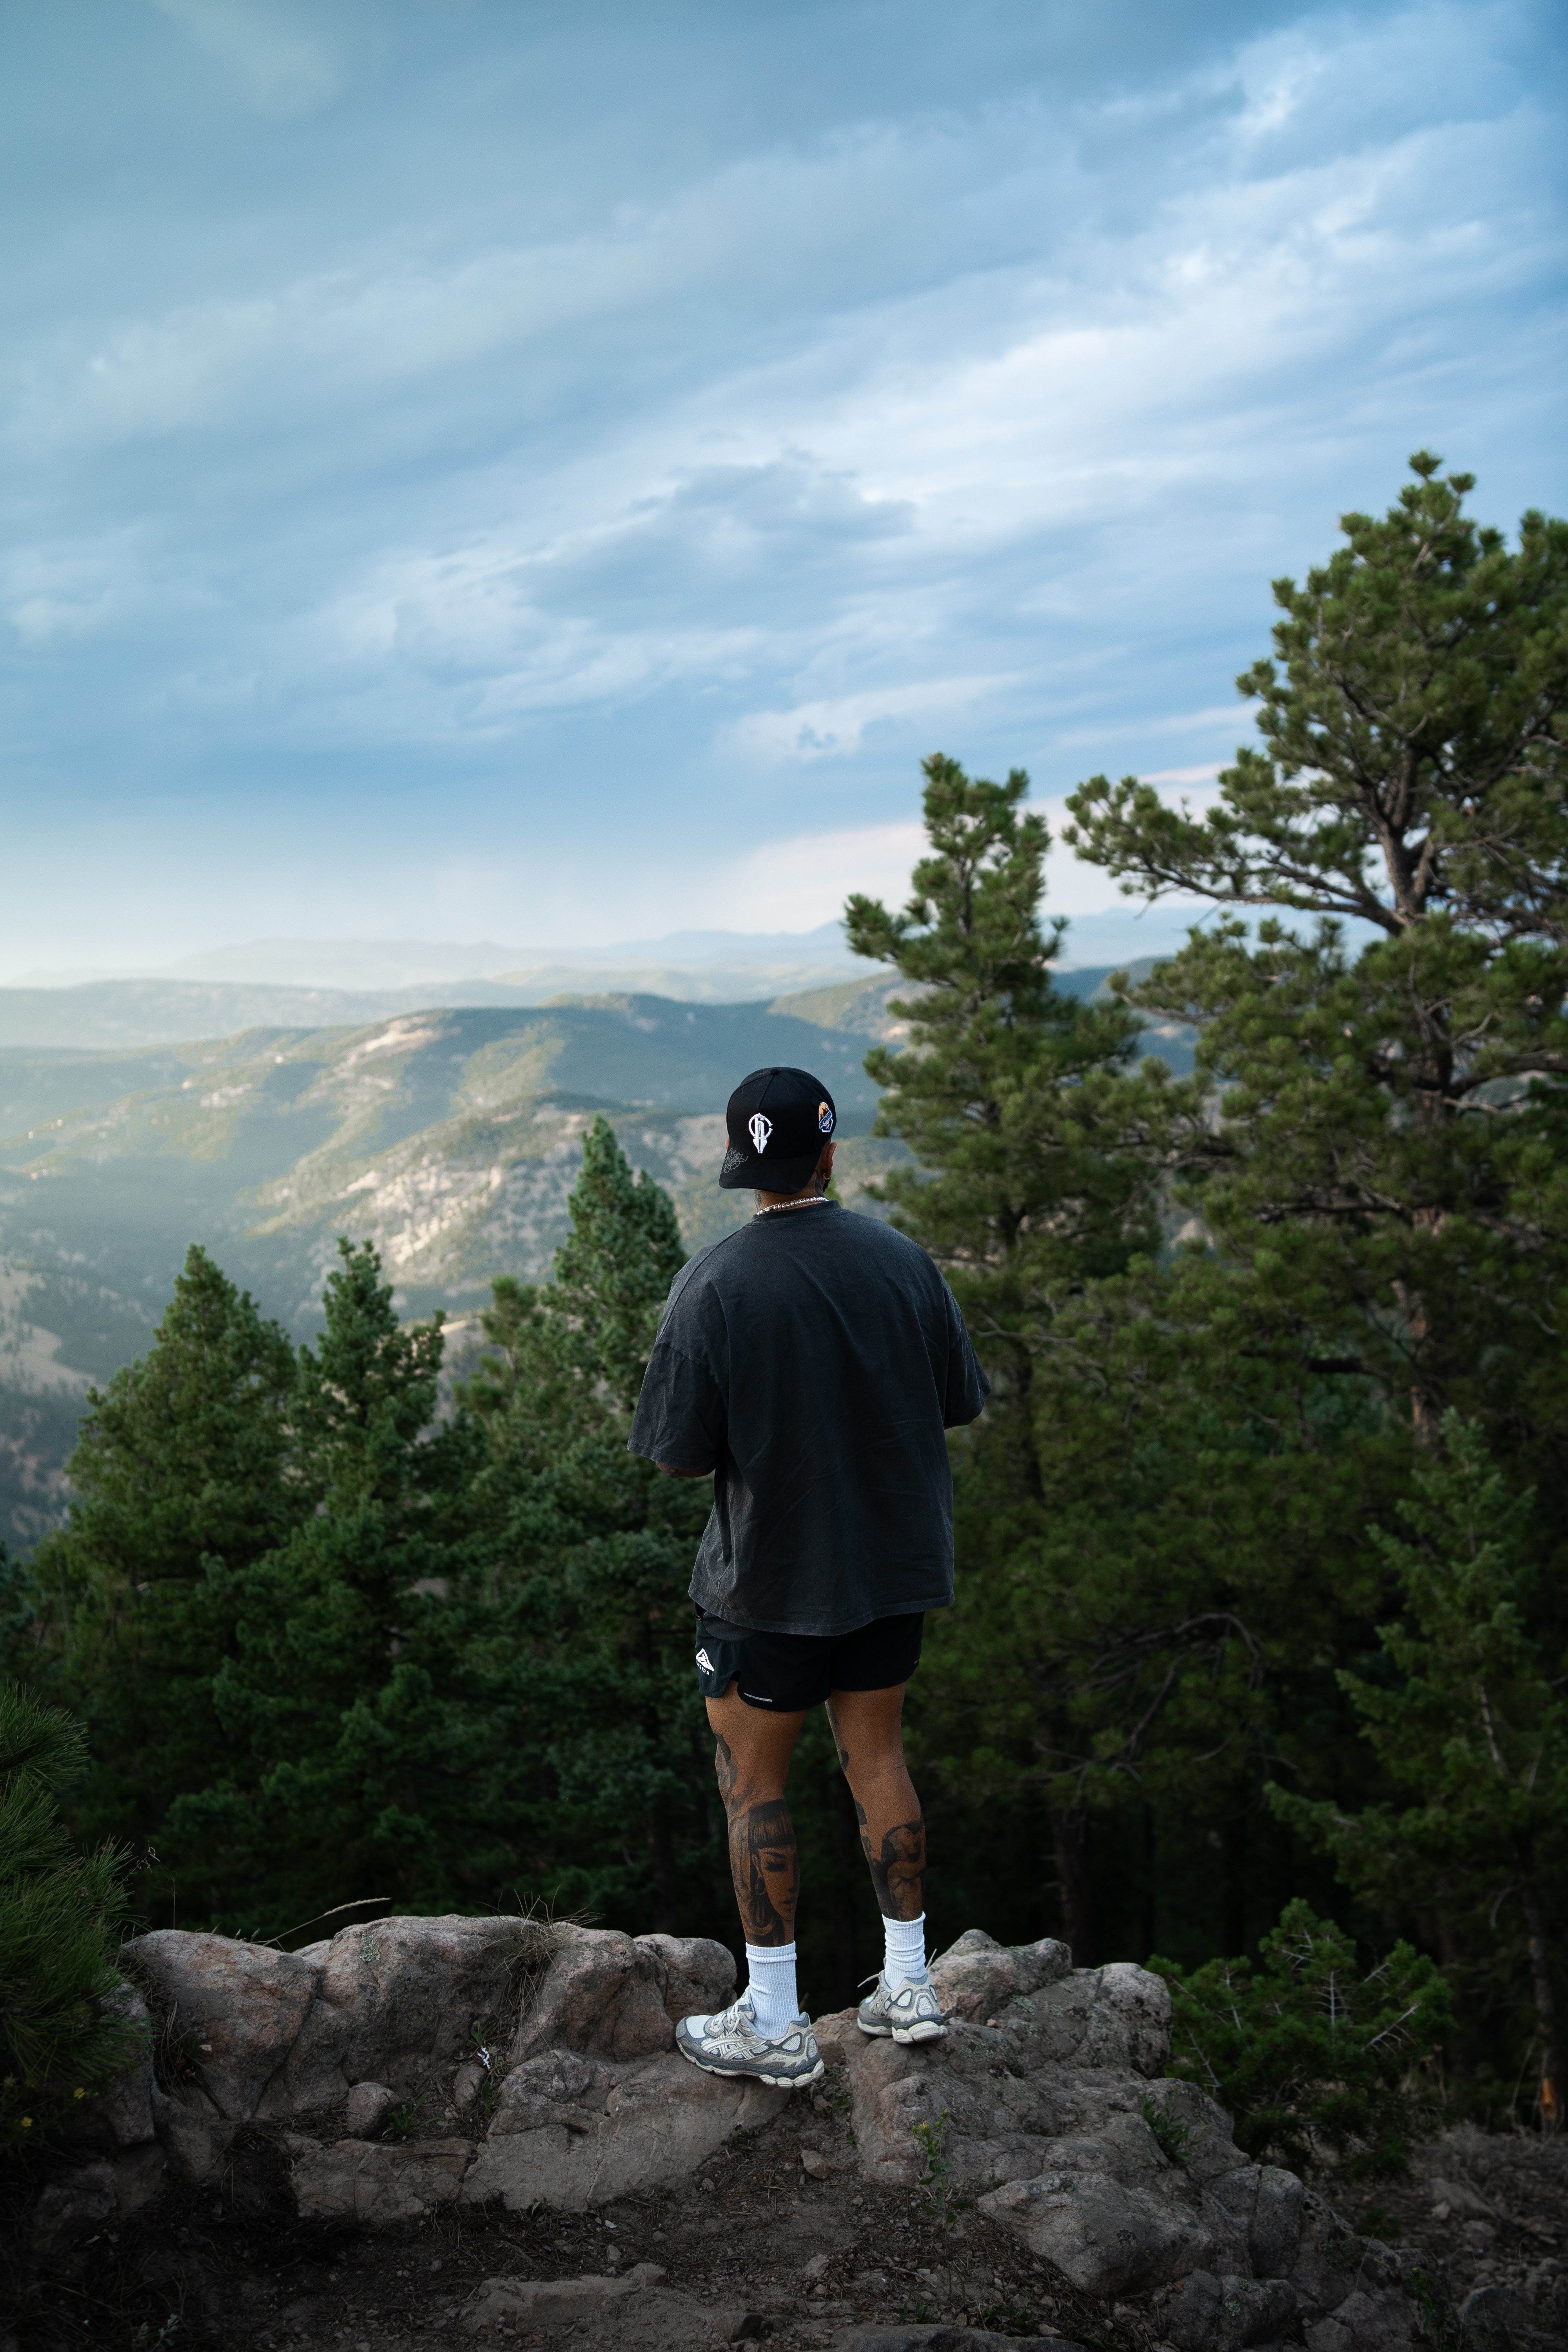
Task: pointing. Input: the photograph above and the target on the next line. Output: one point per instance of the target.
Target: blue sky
(547, 473)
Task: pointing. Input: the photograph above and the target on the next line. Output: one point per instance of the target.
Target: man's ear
(825, 1161)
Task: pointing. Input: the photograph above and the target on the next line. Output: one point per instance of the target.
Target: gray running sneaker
(730, 2043)
(910, 2013)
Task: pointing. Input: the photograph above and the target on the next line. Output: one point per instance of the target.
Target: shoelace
(892, 1992)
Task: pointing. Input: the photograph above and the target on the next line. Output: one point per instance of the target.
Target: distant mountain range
(329, 983)
(448, 1134)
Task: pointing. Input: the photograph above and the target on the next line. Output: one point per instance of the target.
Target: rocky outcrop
(421, 2062)
(1049, 2106)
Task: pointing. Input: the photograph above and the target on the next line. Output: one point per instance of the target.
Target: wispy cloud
(803, 880)
(837, 726)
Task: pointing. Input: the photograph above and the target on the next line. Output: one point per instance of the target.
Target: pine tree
(1010, 1094)
(1469, 1722)
(352, 1755)
(604, 1770)
(183, 1477)
(1035, 1174)
(1388, 1169)
(1310, 2053)
(614, 1271)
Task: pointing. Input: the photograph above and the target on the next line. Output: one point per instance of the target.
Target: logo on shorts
(705, 1662)
(825, 1118)
(759, 1129)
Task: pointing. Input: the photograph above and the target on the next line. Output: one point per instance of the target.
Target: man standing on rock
(810, 1362)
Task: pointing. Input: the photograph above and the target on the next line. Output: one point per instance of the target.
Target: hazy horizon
(380, 963)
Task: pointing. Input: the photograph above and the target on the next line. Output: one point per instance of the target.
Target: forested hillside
(1261, 1551)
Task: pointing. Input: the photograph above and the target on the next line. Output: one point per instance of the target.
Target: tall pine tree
(604, 1767)
(1388, 1169)
(183, 1477)
(351, 1758)
(1033, 1176)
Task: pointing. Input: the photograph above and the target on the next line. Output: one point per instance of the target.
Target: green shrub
(59, 2039)
(1312, 2057)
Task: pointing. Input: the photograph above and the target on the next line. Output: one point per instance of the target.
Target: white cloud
(834, 726)
(797, 883)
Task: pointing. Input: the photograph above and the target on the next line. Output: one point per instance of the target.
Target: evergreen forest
(1262, 1610)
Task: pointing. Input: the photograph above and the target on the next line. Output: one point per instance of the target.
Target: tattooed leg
(868, 1731)
(752, 1760)
(766, 1866)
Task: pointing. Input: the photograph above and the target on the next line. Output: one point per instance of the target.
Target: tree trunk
(1235, 1887)
(1069, 1849)
(1551, 2086)
(1425, 1406)
(1146, 1919)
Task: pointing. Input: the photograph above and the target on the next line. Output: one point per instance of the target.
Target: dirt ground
(766, 2249)
(1507, 2225)
(751, 2247)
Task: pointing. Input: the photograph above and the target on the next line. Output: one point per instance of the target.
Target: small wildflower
(79, 2095)
(26, 2123)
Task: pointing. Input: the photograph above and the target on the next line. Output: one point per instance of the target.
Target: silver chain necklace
(809, 1201)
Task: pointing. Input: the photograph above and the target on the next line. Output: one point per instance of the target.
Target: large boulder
(624, 1996)
(1061, 2056)
(621, 1996)
(395, 1999)
(233, 2011)
(262, 2033)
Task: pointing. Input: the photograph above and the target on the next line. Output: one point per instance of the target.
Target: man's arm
(669, 1471)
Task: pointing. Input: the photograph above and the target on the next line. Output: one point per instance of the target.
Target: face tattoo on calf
(766, 1866)
(898, 1873)
(764, 1863)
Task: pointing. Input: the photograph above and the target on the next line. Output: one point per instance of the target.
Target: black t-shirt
(812, 1360)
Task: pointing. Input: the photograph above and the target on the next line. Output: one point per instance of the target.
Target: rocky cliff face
(420, 2063)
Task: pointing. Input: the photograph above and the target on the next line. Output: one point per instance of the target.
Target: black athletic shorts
(792, 1670)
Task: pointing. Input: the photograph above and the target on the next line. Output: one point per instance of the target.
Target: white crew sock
(906, 1949)
(770, 1971)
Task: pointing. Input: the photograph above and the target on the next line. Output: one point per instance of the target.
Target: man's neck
(812, 1191)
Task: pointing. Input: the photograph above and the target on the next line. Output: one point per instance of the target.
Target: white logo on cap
(759, 1129)
(825, 1118)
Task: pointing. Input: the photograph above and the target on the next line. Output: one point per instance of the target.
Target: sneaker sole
(925, 2032)
(752, 2074)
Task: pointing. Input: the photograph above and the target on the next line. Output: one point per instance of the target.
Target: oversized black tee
(812, 1360)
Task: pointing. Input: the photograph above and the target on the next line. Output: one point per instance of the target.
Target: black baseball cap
(777, 1122)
